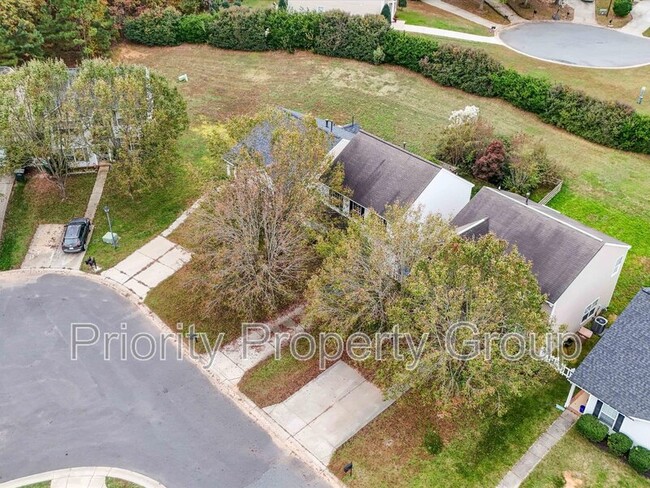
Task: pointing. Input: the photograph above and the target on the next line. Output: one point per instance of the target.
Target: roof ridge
(582, 231)
(400, 149)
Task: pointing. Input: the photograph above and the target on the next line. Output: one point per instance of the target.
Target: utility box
(108, 238)
(19, 175)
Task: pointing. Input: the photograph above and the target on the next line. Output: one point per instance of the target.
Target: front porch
(574, 402)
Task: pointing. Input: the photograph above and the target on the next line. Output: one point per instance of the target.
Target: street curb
(85, 472)
(281, 437)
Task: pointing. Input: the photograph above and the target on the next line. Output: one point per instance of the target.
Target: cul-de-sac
(324, 243)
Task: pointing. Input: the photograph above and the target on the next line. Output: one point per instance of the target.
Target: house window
(591, 309)
(358, 209)
(607, 415)
(618, 265)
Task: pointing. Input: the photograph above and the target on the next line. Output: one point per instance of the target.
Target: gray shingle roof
(380, 173)
(260, 140)
(617, 370)
(558, 247)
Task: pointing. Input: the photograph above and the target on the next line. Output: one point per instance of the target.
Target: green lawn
(274, 380)
(585, 462)
(418, 13)
(118, 483)
(388, 452)
(38, 202)
(137, 220)
(605, 188)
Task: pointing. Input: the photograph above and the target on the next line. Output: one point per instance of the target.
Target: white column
(568, 399)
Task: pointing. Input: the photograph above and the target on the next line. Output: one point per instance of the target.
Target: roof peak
(399, 148)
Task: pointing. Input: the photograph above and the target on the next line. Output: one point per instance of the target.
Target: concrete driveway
(161, 418)
(45, 250)
(578, 45)
(329, 410)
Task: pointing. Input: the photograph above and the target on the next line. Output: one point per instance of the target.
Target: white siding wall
(336, 150)
(595, 281)
(446, 195)
(637, 430)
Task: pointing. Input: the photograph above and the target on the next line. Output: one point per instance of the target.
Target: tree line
(71, 29)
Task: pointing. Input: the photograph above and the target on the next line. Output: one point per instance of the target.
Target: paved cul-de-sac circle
(578, 44)
(161, 418)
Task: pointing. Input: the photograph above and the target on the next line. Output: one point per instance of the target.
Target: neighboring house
(380, 174)
(577, 267)
(78, 152)
(376, 173)
(616, 373)
(353, 7)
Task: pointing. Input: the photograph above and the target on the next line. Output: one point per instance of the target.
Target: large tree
(482, 283)
(20, 38)
(420, 276)
(367, 266)
(76, 28)
(37, 123)
(256, 249)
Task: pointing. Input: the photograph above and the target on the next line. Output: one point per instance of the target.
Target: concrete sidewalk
(452, 9)
(149, 266)
(538, 450)
(83, 478)
(640, 19)
(329, 410)
(6, 186)
(400, 25)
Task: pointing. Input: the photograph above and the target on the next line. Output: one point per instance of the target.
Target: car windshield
(72, 233)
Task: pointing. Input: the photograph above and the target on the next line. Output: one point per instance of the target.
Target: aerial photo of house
(324, 243)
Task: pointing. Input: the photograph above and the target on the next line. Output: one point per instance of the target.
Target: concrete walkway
(83, 478)
(149, 266)
(640, 19)
(6, 185)
(154, 262)
(329, 410)
(461, 13)
(400, 25)
(538, 450)
(230, 363)
(98, 189)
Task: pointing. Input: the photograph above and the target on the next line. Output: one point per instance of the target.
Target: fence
(551, 194)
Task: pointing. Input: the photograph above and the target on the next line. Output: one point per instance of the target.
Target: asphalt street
(161, 418)
(575, 44)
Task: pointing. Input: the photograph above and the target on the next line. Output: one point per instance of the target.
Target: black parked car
(75, 235)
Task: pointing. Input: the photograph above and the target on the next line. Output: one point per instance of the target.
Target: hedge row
(619, 444)
(338, 34)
